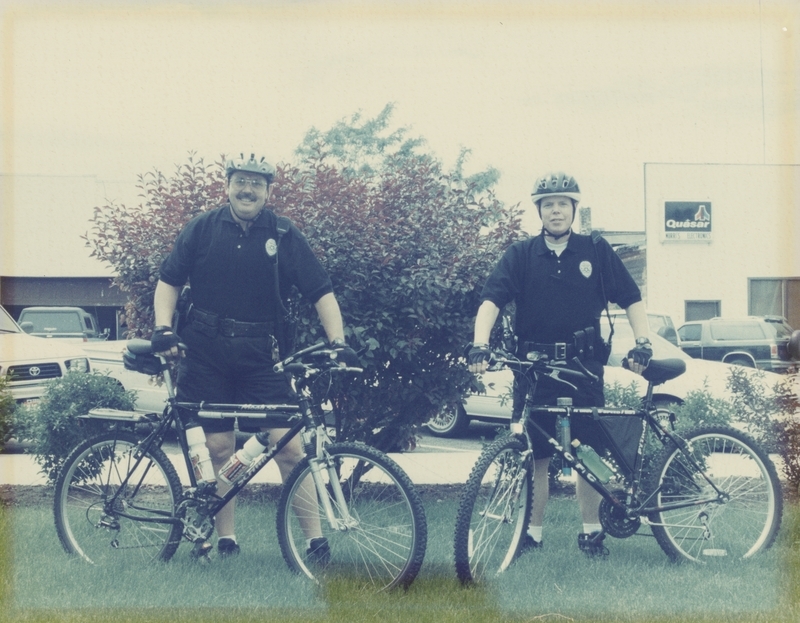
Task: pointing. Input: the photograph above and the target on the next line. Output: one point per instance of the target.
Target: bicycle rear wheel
(494, 511)
(740, 521)
(105, 501)
(381, 535)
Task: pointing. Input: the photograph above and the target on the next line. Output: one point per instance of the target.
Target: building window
(702, 310)
(775, 297)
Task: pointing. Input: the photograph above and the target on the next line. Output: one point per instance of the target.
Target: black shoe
(227, 547)
(592, 544)
(528, 544)
(319, 552)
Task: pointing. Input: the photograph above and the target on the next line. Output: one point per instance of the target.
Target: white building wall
(755, 212)
(43, 219)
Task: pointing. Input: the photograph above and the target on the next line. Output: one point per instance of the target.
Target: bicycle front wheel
(720, 496)
(494, 511)
(110, 504)
(377, 535)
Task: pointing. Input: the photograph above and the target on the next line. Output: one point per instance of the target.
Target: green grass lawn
(635, 583)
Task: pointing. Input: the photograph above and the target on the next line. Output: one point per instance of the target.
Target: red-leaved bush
(406, 244)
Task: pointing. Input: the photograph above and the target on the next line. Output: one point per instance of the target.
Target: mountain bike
(706, 493)
(118, 495)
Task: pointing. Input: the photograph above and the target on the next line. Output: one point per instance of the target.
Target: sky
(597, 89)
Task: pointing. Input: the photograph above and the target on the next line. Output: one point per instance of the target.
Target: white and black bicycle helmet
(250, 165)
(555, 184)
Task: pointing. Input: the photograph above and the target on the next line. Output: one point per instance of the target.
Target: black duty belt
(229, 327)
(581, 346)
(555, 352)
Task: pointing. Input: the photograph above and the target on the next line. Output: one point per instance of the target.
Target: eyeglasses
(243, 182)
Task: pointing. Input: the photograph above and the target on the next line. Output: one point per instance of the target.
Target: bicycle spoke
(493, 512)
(101, 491)
(379, 536)
(744, 513)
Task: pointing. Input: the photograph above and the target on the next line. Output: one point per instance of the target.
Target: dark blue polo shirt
(231, 271)
(557, 296)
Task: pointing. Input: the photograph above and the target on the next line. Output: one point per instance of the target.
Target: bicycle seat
(661, 370)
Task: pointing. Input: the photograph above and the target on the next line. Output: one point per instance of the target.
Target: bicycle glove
(478, 354)
(641, 354)
(163, 339)
(345, 354)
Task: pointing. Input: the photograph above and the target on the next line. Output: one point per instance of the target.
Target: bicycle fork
(345, 520)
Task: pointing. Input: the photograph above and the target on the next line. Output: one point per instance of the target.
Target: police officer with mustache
(228, 256)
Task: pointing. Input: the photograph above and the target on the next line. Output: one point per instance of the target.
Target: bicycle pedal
(201, 551)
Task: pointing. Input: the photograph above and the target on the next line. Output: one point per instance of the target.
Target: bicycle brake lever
(554, 375)
(583, 369)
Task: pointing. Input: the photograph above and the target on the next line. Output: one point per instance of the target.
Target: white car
(30, 363)
(107, 357)
(495, 404)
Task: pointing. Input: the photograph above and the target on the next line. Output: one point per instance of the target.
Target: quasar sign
(687, 220)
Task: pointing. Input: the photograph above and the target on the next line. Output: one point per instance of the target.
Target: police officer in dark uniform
(228, 256)
(560, 282)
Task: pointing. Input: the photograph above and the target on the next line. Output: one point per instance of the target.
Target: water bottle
(240, 461)
(592, 460)
(199, 456)
(565, 433)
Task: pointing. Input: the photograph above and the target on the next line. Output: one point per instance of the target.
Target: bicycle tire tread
(468, 499)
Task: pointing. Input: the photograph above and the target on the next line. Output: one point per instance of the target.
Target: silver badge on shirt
(271, 247)
(586, 268)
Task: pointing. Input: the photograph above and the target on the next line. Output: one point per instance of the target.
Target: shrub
(51, 425)
(134, 240)
(761, 411)
(406, 243)
(788, 429)
(622, 397)
(700, 408)
(789, 447)
(771, 417)
(7, 405)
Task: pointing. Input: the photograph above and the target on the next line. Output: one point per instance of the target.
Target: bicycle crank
(615, 520)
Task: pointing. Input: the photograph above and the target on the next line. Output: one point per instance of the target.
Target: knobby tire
(494, 511)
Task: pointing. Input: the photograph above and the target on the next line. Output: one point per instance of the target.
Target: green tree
(407, 245)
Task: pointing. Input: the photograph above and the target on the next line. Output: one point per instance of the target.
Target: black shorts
(547, 393)
(230, 370)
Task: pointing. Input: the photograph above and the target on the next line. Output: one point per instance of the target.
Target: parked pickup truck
(67, 323)
(30, 363)
(752, 341)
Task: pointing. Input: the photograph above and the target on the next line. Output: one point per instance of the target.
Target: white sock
(232, 537)
(588, 528)
(536, 533)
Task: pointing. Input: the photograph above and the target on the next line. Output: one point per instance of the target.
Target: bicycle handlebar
(322, 358)
(540, 363)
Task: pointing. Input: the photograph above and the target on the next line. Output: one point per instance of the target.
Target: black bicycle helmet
(251, 165)
(555, 184)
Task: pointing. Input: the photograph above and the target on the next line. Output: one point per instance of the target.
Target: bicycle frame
(312, 425)
(645, 412)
